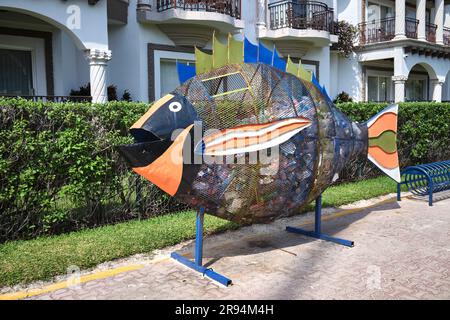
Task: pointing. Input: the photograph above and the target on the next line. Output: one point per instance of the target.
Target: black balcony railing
(430, 30)
(377, 31)
(411, 26)
(447, 36)
(301, 15)
(228, 7)
(51, 98)
(384, 30)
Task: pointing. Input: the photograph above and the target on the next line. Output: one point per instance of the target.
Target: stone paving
(402, 251)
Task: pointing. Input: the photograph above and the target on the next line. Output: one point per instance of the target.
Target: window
(165, 70)
(379, 88)
(16, 76)
(312, 68)
(169, 75)
(379, 12)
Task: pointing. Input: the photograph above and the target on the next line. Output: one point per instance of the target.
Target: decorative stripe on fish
(251, 138)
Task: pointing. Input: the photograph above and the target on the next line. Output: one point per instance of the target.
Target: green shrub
(59, 170)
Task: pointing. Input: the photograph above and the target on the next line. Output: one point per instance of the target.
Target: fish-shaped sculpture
(251, 143)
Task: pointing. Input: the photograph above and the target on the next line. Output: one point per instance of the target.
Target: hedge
(59, 170)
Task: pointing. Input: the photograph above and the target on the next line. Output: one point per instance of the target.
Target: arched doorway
(37, 58)
(53, 53)
(418, 87)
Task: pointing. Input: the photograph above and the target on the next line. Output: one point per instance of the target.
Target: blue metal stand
(317, 233)
(197, 265)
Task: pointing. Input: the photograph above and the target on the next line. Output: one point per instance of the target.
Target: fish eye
(175, 106)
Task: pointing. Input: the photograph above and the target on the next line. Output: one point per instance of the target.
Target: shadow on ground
(262, 238)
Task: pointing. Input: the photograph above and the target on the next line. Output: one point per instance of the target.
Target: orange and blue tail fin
(382, 146)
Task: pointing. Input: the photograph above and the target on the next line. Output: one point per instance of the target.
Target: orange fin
(384, 121)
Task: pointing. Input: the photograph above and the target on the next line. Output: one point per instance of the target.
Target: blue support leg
(197, 265)
(399, 190)
(199, 237)
(317, 233)
(430, 193)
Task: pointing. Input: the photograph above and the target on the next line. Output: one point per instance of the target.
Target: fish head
(161, 136)
(166, 115)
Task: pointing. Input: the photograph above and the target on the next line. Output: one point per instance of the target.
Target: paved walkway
(402, 251)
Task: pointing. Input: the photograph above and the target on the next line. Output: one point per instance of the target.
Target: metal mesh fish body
(243, 187)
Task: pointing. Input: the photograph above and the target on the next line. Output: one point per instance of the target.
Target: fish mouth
(160, 161)
(251, 138)
(141, 154)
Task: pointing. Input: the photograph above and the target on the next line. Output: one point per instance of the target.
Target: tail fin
(382, 146)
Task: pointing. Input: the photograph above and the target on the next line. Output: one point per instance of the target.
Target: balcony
(430, 30)
(296, 26)
(231, 8)
(447, 36)
(303, 15)
(199, 18)
(384, 30)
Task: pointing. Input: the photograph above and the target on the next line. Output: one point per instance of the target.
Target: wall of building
(70, 67)
(89, 31)
(349, 10)
(349, 77)
(249, 13)
(128, 69)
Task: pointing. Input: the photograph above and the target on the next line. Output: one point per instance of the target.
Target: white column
(144, 5)
(98, 60)
(335, 9)
(437, 85)
(399, 87)
(421, 16)
(261, 8)
(400, 15)
(439, 20)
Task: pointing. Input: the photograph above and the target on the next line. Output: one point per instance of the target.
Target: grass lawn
(45, 257)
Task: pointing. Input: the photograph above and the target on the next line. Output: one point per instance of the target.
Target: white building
(49, 47)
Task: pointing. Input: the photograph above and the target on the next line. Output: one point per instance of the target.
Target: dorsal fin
(236, 51)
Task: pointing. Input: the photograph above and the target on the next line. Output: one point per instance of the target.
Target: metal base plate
(205, 271)
(321, 236)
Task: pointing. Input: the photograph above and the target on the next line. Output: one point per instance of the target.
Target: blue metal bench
(426, 179)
